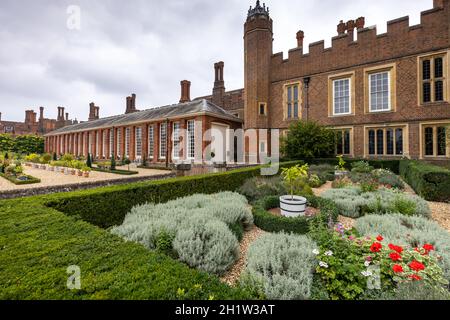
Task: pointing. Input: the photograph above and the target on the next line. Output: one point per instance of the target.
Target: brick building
(35, 126)
(386, 95)
(190, 131)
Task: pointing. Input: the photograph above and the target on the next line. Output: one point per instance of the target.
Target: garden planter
(35, 166)
(62, 170)
(51, 168)
(80, 173)
(293, 206)
(43, 167)
(86, 174)
(66, 171)
(73, 172)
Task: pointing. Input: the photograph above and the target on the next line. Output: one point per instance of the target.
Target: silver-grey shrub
(353, 203)
(283, 265)
(412, 231)
(207, 245)
(145, 223)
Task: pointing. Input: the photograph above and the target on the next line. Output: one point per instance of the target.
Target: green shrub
(39, 243)
(325, 172)
(429, 181)
(413, 231)
(198, 224)
(108, 206)
(259, 187)
(307, 139)
(299, 225)
(314, 181)
(207, 245)
(361, 167)
(17, 181)
(388, 178)
(352, 202)
(283, 264)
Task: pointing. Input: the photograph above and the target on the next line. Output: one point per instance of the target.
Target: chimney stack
(41, 113)
(438, 3)
(351, 29)
(219, 84)
(341, 28)
(360, 23)
(185, 91)
(93, 111)
(67, 116)
(131, 104)
(0, 116)
(300, 37)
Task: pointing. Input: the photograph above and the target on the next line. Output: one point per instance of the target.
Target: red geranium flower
(376, 247)
(395, 256)
(416, 266)
(380, 238)
(398, 249)
(428, 247)
(415, 277)
(397, 268)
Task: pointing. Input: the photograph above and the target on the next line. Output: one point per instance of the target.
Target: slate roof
(167, 112)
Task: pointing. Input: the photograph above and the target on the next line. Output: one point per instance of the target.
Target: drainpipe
(306, 82)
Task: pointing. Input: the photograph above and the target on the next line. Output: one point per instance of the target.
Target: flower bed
(198, 230)
(300, 225)
(20, 180)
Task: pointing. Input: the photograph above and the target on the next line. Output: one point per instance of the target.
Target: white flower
(367, 263)
(367, 273)
(316, 252)
(323, 264)
(329, 253)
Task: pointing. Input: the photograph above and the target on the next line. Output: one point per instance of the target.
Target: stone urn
(293, 206)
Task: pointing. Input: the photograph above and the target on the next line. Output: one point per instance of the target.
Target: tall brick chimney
(93, 111)
(0, 117)
(300, 37)
(360, 23)
(41, 113)
(439, 3)
(67, 116)
(351, 29)
(341, 28)
(185, 91)
(219, 84)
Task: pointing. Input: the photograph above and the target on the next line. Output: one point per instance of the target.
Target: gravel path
(51, 178)
(232, 276)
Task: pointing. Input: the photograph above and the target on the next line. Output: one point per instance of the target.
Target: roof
(167, 112)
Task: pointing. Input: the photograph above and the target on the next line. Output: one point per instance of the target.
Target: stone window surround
(445, 55)
(404, 126)
(340, 76)
(392, 69)
(352, 144)
(433, 124)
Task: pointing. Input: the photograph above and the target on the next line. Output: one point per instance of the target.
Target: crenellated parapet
(401, 39)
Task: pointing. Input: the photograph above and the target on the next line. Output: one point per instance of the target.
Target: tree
(55, 157)
(307, 140)
(6, 142)
(127, 162)
(89, 161)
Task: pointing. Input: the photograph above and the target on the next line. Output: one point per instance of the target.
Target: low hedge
(116, 171)
(300, 225)
(106, 207)
(429, 181)
(31, 180)
(38, 244)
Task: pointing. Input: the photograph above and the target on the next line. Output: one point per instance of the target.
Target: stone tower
(258, 41)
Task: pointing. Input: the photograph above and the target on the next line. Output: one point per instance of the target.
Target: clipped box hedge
(299, 225)
(106, 207)
(429, 181)
(31, 179)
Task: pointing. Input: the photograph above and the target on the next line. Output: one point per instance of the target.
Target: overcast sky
(148, 46)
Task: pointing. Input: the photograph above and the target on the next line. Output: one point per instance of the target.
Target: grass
(38, 243)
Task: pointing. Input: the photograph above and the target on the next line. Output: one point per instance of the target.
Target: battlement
(401, 39)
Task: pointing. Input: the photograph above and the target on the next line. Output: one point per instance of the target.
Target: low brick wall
(11, 194)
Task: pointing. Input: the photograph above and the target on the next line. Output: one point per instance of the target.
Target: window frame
(127, 142)
(138, 142)
(161, 126)
(286, 101)
(394, 129)
(371, 110)
(151, 141)
(423, 146)
(343, 130)
(176, 138)
(349, 97)
(190, 148)
(432, 81)
(391, 69)
(331, 94)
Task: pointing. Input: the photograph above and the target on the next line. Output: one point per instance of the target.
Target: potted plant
(293, 205)
(86, 171)
(340, 170)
